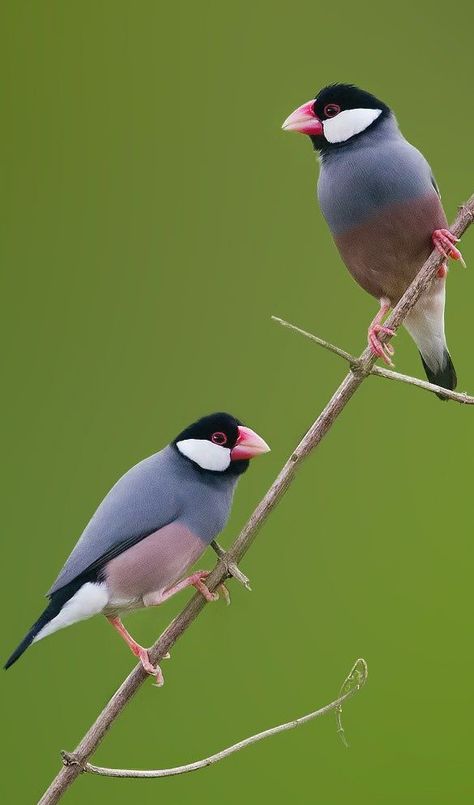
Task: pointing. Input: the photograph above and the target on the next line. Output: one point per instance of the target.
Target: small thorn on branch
(70, 759)
(230, 566)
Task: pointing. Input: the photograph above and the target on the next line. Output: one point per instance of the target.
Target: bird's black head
(340, 112)
(219, 443)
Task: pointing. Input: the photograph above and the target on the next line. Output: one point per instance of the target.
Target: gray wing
(145, 499)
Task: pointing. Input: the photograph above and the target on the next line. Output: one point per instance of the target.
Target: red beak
(248, 445)
(304, 120)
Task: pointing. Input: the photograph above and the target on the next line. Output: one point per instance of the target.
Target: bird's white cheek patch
(207, 455)
(340, 128)
(89, 600)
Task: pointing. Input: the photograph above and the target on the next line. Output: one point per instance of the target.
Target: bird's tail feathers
(49, 613)
(425, 323)
(444, 375)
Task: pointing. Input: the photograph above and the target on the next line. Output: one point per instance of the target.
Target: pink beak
(248, 445)
(304, 120)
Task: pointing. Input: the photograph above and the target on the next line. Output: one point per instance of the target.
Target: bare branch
(241, 545)
(341, 352)
(355, 680)
(457, 396)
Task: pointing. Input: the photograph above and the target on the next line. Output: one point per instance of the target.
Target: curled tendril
(356, 678)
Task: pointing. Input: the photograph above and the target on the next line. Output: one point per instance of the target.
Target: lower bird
(383, 207)
(150, 528)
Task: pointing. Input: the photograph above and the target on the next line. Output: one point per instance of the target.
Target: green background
(153, 217)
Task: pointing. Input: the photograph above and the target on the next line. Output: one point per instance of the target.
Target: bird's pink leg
(444, 241)
(384, 351)
(195, 580)
(138, 650)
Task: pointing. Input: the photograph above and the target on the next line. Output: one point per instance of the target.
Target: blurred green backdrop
(153, 217)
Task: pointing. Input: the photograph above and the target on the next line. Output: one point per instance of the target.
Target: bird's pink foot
(444, 241)
(138, 650)
(197, 581)
(153, 670)
(204, 590)
(383, 351)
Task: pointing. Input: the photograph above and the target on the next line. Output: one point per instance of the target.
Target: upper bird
(150, 528)
(383, 207)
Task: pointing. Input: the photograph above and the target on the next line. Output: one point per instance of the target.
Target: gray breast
(378, 169)
(205, 501)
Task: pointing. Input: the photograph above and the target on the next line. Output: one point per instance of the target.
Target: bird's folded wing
(145, 499)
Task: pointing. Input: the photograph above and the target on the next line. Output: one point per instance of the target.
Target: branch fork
(361, 369)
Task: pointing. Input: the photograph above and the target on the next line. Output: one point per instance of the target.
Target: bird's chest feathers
(357, 184)
(210, 508)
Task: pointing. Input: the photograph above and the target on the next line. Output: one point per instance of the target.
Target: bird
(383, 207)
(151, 527)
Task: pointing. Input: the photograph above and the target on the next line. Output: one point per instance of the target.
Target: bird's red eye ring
(331, 109)
(219, 438)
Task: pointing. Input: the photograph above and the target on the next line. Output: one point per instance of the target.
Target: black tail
(50, 612)
(444, 376)
(56, 603)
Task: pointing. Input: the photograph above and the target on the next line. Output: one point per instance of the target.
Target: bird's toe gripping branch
(198, 583)
(376, 328)
(443, 241)
(139, 651)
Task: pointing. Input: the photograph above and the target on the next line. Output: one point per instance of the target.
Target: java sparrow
(150, 528)
(381, 202)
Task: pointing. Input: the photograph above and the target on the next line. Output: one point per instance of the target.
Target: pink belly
(385, 254)
(153, 564)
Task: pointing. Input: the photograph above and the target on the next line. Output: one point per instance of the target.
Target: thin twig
(458, 396)
(241, 545)
(353, 683)
(341, 352)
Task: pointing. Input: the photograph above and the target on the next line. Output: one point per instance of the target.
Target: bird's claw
(198, 583)
(383, 351)
(443, 241)
(147, 665)
(197, 580)
(225, 593)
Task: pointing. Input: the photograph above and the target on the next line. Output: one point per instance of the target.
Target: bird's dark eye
(219, 437)
(331, 109)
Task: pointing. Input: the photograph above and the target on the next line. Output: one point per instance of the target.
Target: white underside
(346, 124)
(425, 323)
(90, 599)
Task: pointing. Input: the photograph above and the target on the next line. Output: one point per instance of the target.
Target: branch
(231, 567)
(352, 684)
(378, 371)
(91, 740)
